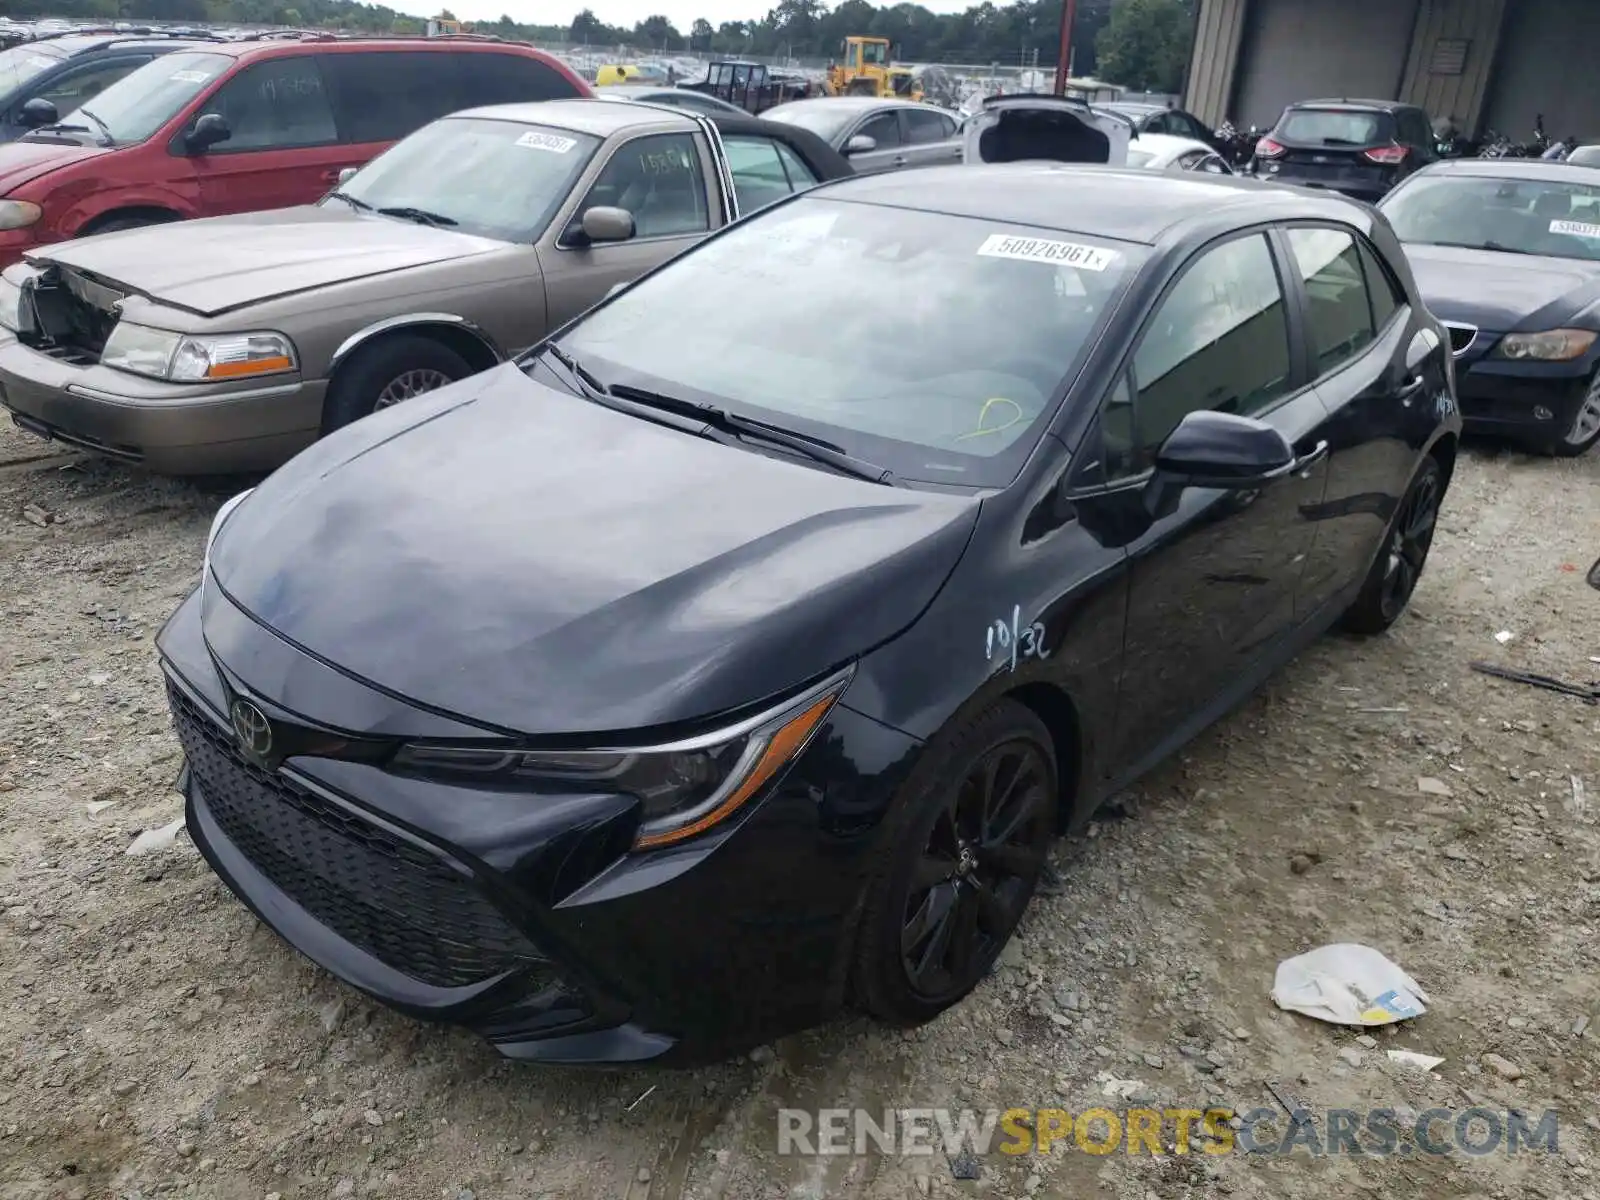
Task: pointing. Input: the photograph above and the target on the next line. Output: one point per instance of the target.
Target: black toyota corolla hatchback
(736, 654)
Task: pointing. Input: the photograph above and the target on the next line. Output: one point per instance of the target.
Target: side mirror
(1423, 343)
(604, 223)
(346, 175)
(38, 112)
(1221, 450)
(860, 144)
(209, 130)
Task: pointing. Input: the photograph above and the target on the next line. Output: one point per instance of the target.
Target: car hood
(23, 162)
(1502, 292)
(520, 558)
(1044, 128)
(217, 264)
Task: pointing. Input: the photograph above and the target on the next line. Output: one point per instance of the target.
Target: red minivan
(246, 125)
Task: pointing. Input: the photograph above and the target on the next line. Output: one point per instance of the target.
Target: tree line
(1141, 44)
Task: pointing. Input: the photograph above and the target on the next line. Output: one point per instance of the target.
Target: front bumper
(1518, 399)
(171, 429)
(525, 918)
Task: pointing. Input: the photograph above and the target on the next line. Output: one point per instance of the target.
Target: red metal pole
(1069, 14)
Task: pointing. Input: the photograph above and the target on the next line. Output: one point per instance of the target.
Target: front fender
(408, 320)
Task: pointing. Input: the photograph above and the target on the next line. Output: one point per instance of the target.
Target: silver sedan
(874, 134)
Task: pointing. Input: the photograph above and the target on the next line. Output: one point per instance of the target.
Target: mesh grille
(394, 900)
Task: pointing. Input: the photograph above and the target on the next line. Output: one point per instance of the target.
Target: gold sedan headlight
(186, 358)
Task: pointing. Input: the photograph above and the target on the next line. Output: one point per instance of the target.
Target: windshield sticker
(1046, 250)
(189, 76)
(1012, 641)
(1576, 228)
(546, 141)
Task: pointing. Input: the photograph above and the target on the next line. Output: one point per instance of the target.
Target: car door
(1361, 337)
(660, 178)
(888, 152)
(1212, 583)
(283, 146)
(930, 138)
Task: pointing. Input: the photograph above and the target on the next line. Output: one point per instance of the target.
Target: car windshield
(497, 179)
(20, 64)
(1523, 216)
(141, 102)
(952, 383)
(1335, 126)
(825, 120)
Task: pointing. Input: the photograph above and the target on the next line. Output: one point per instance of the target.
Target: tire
(984, 894)
(1401, 556)
(1583, 431)
(377, 375)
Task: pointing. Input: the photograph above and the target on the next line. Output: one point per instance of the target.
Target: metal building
(1488, 64)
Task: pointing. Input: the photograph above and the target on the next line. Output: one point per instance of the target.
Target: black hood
(1502, 292)
(519, 557)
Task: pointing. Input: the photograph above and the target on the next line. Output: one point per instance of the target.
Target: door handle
(1409, 393)
(899, 160)
(332, 176)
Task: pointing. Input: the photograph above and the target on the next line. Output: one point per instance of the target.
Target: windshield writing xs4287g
(949, 380)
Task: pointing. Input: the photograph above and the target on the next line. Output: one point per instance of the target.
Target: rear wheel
(1583, 431)
(1398, 568)
(388, 372)
(972, 841)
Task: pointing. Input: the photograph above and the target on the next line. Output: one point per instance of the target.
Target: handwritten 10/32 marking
(1014, 640)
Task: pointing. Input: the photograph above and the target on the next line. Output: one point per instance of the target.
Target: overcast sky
(630, 12)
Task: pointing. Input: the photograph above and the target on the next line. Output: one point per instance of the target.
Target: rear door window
(384, 96)
(496, 78)
(279, 104)
(1338, 312)
(1333, 126)
(929, 126)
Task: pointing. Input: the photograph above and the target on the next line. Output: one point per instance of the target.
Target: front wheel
(389, 372)
(970, 846)
(1398, 568)
(1583, 430)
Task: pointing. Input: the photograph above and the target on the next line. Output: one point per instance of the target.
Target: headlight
(18, 214)
(1555, 345)
(683, 788)
(223, 514)
(181, 358)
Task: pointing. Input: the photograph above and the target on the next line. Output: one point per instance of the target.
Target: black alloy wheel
(1394, 576)
(968, 860)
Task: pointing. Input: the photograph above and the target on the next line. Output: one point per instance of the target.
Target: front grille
(386, 895)
(1461, 337)
(76, 315)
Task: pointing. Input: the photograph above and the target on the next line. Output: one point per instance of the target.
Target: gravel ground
(156, 1039)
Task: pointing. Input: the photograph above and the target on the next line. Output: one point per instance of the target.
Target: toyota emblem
(252, 728)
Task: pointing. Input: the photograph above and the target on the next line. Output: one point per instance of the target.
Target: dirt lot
(155, 1039)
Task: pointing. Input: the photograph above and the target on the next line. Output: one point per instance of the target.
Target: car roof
(857, 104)
(1124, 203)
(599, 118)
(84, 43)
(266, 46)
(1345, 102)
(1512, 168)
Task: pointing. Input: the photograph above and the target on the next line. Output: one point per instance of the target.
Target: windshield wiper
(803, 444)
(593, 390)
(420, 215)
(1496, 246)
(358, 205)
(105, 130)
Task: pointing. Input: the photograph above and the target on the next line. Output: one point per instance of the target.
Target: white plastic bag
(1347, 984)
